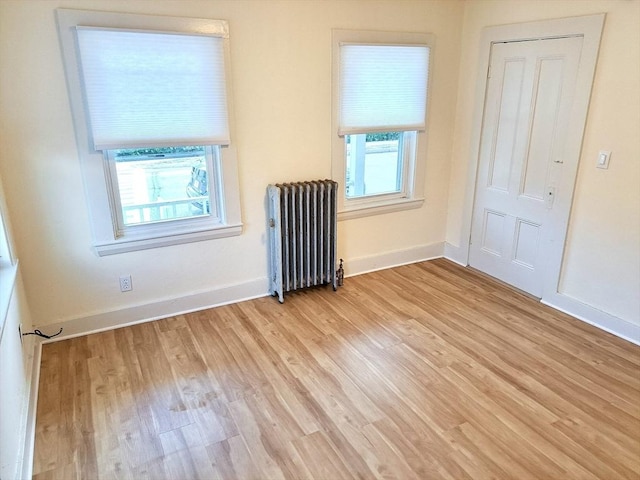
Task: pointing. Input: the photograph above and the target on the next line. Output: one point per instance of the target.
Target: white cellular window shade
(382, 88)
(147, 88)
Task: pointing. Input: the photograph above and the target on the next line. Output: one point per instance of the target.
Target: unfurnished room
(319, 239)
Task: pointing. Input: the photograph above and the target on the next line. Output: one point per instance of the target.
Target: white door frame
(590, 28)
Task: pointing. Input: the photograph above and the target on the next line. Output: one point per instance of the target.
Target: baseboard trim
(456, 254)
(372, 263)
(569, 305)
(156, 310)
(223, 296)
(357, 266)
(32, 408)
(598, 318)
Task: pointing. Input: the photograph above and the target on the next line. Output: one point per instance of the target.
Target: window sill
(379, 208)
(8, 274)
(131, 245)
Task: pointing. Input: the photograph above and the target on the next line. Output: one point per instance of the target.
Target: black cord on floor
(40, 334)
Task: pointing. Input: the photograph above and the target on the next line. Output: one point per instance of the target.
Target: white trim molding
(372, 263)
(225, 295)
(569, 305)
(32, 408)
(357, 266)
(591, 315)
(378, 209)
(8, 276)
(128, 245)
(109, 236)
(412, 193)
(456, 254)
(590, 28)
(148, 312)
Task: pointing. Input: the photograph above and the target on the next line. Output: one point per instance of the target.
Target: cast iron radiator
(302, 221)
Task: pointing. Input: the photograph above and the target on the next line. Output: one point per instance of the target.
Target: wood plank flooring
(426, 371)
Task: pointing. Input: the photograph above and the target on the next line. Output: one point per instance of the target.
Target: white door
(517, 218)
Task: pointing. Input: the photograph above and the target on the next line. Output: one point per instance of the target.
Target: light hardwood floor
(424, 371)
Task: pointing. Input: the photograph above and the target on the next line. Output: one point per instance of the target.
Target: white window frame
(212, 159)
(108, 235)
(8, 268)
(415, 151)
(408, 152)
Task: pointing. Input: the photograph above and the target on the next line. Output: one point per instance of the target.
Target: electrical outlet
(125, 283)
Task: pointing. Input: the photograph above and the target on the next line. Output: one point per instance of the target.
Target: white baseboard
(358, 266)
(157, 310)
(32, 407)
(229, 294)
(566, 304)
(603, 320)
(458, 255)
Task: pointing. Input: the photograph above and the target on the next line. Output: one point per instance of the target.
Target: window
(150, 102)
(379, 119)
(8, 267)
(6, 259)
(377, 163)
(163, 184)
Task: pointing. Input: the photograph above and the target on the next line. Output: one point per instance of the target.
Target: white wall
(16, 365)
(16, 370)
(602, 258)
(280, 62)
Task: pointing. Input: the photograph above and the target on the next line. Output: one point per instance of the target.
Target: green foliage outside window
(381, 137)
(378, 137)
(145, 152)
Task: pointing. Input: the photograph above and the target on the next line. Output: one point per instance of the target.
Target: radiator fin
(303, 226)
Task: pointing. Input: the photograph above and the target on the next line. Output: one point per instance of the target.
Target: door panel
(527, 106)
(493, 233)
(526, 243)
(545, 119)
(507, 124)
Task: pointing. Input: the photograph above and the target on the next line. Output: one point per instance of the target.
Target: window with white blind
(380, 86)
(150, 99)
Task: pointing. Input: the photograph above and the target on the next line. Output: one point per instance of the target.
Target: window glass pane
(374, 164)
(161, 184)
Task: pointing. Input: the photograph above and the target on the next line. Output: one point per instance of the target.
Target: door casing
(590, 28)
(522, 166)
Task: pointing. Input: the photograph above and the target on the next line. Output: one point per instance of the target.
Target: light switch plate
(603, 159)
